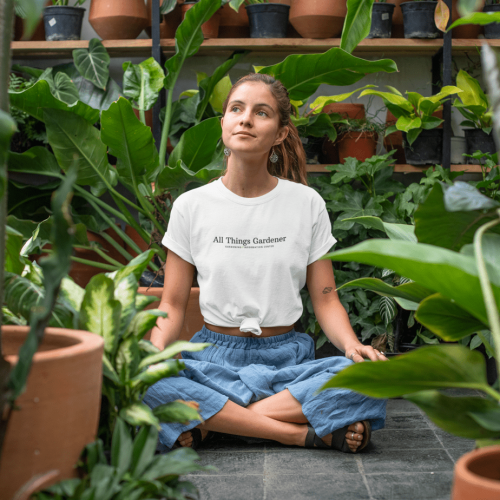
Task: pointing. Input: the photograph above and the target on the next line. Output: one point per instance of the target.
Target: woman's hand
(361, 352)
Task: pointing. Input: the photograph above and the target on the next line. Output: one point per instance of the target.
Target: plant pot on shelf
(118, 20)
(330, 152)
(312, 148)
(397, 19)
(59, 412)
(467, 30)
(359, 145)
(492, 30)
(169, 23)
(233, 24)
(427, 149)
(62, 23)
(418, 19)
(381, 26)
(458, 149)
(210, 29)
(39, 32)
(477, 475)
(318, 18)
(268, 20)
(477, 140)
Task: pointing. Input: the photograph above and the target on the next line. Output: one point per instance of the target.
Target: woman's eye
(234, 109)
(262, 113)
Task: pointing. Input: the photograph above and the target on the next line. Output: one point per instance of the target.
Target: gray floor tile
(231, 462)
(410, 460)
(416, 486)
(229, 487)
(332, 486)
(406, 421)
(450, 441)
(401, 406)
(456, 453)
(390, 439)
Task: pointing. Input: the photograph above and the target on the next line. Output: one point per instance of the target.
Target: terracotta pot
(193, 320)
(149, 117)
(477, 475)
(211, 27)
(467, 30)
(59, 412)
(233, 24)
(397, 19)
(134, 236)
(318, 18)
(359, 145)
(170, 21)
(346, 110)
(118, 19)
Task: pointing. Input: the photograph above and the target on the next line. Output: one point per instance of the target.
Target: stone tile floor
(410, 459)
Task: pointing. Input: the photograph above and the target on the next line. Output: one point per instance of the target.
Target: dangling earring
(227, 151)
(274, 157)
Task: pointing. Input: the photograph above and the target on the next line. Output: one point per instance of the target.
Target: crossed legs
(278, 417)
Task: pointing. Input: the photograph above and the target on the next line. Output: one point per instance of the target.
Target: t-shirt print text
(230, 242)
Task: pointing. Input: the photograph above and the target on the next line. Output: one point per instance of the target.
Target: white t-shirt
(251, 253)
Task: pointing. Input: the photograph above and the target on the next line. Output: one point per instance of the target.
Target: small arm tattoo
(328, 289)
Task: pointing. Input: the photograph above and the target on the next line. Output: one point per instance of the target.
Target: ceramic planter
(63, 23)
(381, 26)
(318, 18)
(477, 140)
(117, 19)
(467, 30)
(59, 412)
(492, 30)
(359, 145)
(268, 20)
(210, 29)
(418, 19)
(477, 475)
(169, 23)
(458, 149)
(233, 24)
(426, 149)
(193, 320)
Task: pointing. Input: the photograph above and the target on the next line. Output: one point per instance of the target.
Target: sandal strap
(312, 439)
(339, 441)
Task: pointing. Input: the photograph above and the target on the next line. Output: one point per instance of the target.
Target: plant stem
(116, 245)
(166, 129)
(100, 265)
(101, 253)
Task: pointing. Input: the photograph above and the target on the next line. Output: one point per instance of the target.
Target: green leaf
(31, 12)
(125, 292)
(139, 414)
(303, 74)
(131, 142)
(175, 463)
(61, 86)
(143, 450)
(472, 93)
(456, 415)
(388, 309)
(37, 160)
(136, 267)
(121, 447)
(38, 97)
(442, 94)
(93, 63)
(357, 23)
(156, 372)
(480, 18)
(143, 322)
(404, 232)
(464, 197)
(72, 293)
(8, 128)
(169, 352)
(108, 371)
(406, 123)
(489, 419)
(12, 249)
(320, 102)
(176, 412)
(100, 312)
(392, 98)
(429, 367)
(446, 319)
(143, 82)
(127, 359)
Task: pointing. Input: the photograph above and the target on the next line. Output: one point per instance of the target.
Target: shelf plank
(404, 169)
(384, 47)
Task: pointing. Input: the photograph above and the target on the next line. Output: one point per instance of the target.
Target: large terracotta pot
(118, 19)
(318, 18)
(193, 320)
(346, 110)
(397, 19)
(359, 145)
(59, 412)
(467, 30)
(477, 475)
(233, 24)
(169, 23)
(210, 29)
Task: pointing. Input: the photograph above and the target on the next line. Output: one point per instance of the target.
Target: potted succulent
(418, 19)
(381, 26)
(492, 30)
(422, 139)
(63, 21)
(474, 105)
(319, 19)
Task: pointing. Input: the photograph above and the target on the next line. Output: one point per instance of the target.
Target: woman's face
(251, 123)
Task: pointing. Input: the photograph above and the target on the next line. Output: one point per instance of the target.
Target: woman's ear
(282, 135)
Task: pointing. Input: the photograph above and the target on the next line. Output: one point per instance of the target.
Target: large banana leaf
(93, 63)
(303, 74)
(357, 23)
(37, 160)
(452, 274)
(38, 97)
(76, 141)
(131, 142)
(404, 232)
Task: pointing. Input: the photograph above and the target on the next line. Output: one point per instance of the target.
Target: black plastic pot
(426, 149)
(63, 23)
(476, 140)
(381, 20)
(313, 148)
(418, 20)
(268, 20)
(492, 30)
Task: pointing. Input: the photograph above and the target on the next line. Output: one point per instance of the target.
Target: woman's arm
(331, 315)
(174, 299)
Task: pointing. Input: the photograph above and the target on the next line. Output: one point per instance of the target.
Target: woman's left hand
(362, 352)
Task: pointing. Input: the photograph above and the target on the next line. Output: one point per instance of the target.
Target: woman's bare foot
(186, 438)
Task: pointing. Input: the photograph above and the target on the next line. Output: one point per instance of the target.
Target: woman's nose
(246, 118)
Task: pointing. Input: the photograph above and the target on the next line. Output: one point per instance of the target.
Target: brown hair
(291, 162)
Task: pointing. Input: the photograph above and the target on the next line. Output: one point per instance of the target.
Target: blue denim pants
(246, 370)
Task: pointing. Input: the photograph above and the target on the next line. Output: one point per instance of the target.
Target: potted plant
(381, 26)
(234, 21)
(319, 19)
(170, 21)
(474, 105)
(418, 19)
(492, 30)
(210, 28)
(63, 21)
(358, 138)
(422, 139)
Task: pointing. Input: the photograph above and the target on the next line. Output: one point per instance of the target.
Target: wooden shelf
(381, 47)
(405, 169)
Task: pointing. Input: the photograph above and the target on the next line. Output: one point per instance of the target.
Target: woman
(255, 236)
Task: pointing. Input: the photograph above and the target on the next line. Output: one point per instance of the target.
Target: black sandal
(197, 440)
(339, 441)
